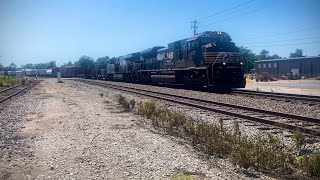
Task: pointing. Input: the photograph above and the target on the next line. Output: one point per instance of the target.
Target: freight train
(66, 72)
(206, 59)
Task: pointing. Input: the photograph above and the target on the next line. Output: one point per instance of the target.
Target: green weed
(264, 153)
(7, 81)
(127, 105)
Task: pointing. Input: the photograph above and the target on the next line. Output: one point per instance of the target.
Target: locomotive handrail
(212, 68)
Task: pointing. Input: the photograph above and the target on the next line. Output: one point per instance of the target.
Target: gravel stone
(70, 132)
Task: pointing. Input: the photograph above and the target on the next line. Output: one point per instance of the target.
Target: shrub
(127, 105)
(300, 141)
(23, 81)
(266, 152)
(120, 98)
(311, 164)
(7, 81)
(132, 103)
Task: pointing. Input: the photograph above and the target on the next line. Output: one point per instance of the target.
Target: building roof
(288, 59)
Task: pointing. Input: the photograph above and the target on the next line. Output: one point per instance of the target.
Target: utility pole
(194, 26)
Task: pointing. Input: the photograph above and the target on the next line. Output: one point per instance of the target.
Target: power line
(281, 40)
(286, 44)
(290, 32)
(238, 16)
(239, 10)
(225, 10)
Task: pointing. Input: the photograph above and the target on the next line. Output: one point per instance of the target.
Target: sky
(37, 31)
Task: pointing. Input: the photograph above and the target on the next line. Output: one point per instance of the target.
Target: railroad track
(290, 97)
(12, 91)
(291, 122)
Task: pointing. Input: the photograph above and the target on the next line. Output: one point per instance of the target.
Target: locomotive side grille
(217, 57)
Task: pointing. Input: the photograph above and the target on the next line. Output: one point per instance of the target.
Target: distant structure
(292, 68)
(194, 26)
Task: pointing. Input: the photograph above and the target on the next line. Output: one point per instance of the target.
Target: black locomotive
(207, 59)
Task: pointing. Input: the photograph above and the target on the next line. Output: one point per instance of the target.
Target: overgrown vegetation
(7, 81)
(266, 153)
(127, 105)
(183, 177)
(23, 81)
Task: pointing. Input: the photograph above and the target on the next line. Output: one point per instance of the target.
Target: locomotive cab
(222, 58)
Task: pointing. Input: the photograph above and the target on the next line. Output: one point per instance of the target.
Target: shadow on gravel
(251, 175)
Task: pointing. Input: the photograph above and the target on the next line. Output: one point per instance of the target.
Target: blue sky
(33, 31)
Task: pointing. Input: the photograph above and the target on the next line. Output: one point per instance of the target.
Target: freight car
(207, 59)
(67, 71)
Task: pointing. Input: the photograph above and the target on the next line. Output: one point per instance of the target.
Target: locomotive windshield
(218, 42)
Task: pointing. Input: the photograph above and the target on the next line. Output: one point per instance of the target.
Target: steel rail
(279, 95)
(251, 118)
(4, 90)
(17, 92)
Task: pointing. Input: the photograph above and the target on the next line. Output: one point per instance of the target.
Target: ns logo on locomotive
(207, 59)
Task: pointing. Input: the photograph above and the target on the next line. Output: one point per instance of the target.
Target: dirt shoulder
(303, 86)
(67, 131)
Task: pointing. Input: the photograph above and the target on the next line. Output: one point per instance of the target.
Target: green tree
(40, 66)
(51, 64)
(47, 65)
(275, 56)
(1, 67)
(11, 67)
(297, 53)
(264, 54)
(85, 62)
(68, 64)
(248, 57)
(101, 62)
(28, 66)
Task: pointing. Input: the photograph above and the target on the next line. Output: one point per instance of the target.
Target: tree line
(248, 57)
(13, 67)
(88, 63)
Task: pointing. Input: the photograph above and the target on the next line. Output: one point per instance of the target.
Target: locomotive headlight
(241, 63)
(224, 63)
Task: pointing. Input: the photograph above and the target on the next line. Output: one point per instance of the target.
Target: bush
(132, 103)
(266, 152)
(120, 98)
(7, 81)
(311, 164)
(23, 81)
(127, 105)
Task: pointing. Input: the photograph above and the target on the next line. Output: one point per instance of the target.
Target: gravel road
(67, 131)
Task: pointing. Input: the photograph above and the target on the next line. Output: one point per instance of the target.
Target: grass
(7, 81)
(265, 153)
(23, 81)
(311, 164)
(300, 141)
(127, 105)
(183, 177)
